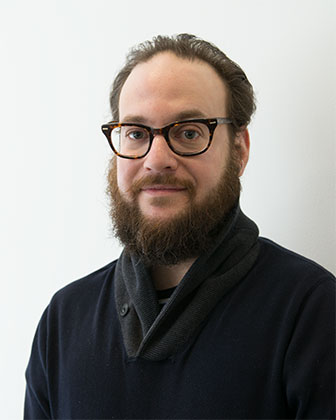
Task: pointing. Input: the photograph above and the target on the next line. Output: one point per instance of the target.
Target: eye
(189, 134)
(136, 133)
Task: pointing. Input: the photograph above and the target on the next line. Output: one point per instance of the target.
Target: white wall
(58, 59)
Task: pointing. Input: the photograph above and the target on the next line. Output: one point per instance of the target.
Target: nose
(160, 158)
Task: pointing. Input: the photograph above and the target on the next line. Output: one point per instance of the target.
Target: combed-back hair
(241, 99)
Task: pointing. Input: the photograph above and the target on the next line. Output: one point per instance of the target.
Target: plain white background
(58, 60)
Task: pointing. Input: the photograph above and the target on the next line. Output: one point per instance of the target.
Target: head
(167, 207)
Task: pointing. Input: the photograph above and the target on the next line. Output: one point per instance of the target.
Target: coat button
(124, 309)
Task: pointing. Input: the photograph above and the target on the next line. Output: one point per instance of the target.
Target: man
(199, 317)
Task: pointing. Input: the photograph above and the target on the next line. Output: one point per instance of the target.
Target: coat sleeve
(36, 400)
(309, 368)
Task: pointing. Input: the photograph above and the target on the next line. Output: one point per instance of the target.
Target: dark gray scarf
(155, 335)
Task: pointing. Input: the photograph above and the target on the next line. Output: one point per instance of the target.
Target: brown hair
(241, 100)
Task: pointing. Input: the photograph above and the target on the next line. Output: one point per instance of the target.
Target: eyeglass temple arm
(224, 121)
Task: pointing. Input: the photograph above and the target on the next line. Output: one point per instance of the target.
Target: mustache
(161, 179)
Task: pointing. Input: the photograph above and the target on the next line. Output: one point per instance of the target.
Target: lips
(162, 189)
(161, 185)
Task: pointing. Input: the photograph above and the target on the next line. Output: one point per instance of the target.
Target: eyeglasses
(185, 138)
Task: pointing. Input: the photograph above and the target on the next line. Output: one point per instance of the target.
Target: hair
(241, 99)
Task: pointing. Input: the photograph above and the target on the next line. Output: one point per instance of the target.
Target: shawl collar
(155, 335)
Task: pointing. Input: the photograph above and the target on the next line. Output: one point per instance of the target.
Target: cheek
(126, 171)
(121, 177)
(206, 178)
(208, 181)
(209, 173)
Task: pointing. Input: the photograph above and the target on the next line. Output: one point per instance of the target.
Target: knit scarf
(156, 335)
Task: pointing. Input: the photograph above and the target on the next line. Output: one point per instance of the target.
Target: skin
(160, 91)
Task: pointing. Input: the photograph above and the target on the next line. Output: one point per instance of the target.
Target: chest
(230, 369)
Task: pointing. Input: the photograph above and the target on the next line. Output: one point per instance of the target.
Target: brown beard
(182, 237)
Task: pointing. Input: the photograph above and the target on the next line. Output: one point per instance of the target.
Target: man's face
(166, 207)
(158, 92)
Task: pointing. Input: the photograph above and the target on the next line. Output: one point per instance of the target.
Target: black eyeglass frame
(211, 123)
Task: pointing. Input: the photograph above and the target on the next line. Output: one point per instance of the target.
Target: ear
(242, 143)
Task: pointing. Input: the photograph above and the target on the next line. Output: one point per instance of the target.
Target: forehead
(167, 84)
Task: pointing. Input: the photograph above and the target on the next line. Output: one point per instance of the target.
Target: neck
(167, 276)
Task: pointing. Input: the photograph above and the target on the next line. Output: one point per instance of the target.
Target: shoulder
(85, 292)
(290, 291)
(284, 262)
(284, 274)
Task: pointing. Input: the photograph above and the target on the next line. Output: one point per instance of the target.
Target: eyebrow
(183, 115)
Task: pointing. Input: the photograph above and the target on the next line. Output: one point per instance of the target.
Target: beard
(183, 236)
